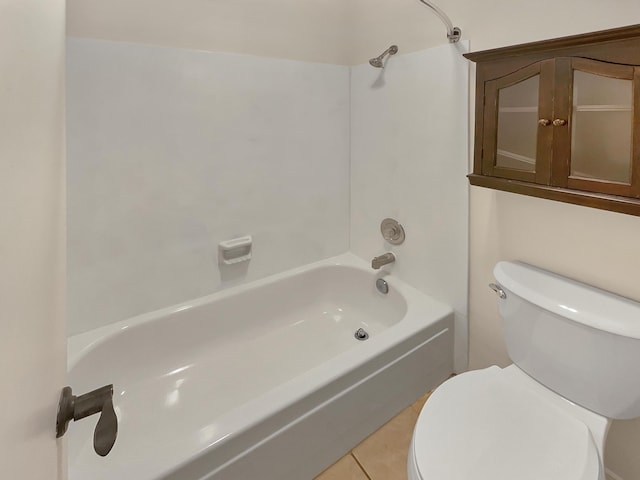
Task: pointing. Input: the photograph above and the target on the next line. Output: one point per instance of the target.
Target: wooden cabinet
(560, 119)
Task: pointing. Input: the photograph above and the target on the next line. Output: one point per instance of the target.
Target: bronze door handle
(75, 408)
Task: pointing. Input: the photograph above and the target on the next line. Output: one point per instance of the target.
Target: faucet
(382, 260)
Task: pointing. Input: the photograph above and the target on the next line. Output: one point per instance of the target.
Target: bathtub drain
(361, 334)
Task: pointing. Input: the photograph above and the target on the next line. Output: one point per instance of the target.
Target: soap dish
(235, 250)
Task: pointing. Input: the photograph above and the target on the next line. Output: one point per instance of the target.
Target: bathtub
(265, 380)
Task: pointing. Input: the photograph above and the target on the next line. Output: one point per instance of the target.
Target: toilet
(576, 364)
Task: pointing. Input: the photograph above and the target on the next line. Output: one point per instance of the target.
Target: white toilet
(576, 354)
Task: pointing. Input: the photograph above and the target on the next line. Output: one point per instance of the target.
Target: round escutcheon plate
(392, 231)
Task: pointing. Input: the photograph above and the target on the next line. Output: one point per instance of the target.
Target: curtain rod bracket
(453, 33)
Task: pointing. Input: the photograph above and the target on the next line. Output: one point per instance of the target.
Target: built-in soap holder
(235, 250)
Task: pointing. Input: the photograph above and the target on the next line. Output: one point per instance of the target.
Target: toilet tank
(579, 341)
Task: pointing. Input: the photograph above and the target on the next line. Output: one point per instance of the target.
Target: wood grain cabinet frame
(559, 142)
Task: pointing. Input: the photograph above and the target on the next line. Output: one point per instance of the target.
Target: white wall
(408, 161)
(311, 30)
(171, 151)
(32, 334)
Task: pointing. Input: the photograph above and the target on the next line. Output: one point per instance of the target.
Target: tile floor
(381, 456)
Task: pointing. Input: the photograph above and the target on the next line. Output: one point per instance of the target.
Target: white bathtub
(261, 381)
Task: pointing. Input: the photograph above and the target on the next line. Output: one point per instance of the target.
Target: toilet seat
(489, 425)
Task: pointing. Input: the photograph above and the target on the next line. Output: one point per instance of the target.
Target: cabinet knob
(544, 122)
(558, 122)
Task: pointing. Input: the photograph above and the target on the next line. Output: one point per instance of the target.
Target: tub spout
(382, 260)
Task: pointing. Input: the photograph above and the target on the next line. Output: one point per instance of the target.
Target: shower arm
(453, 33)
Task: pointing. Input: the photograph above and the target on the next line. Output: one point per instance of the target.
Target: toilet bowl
(547, 415)
(498, 424)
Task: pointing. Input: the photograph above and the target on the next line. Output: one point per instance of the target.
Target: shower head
(378, 62)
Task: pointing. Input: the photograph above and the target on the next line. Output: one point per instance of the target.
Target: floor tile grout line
(351, 453)
(366, 474)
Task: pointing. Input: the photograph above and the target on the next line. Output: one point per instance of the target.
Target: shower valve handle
(75, 408)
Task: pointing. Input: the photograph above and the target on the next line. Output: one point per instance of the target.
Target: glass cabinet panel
(518, 125)
(602, 126)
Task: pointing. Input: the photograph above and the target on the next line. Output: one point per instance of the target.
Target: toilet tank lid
(571, 299)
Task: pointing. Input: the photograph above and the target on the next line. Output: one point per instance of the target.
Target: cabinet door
(518, 114)
(604, 144)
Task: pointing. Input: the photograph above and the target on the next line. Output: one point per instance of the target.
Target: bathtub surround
(172, 151)
(408, 163)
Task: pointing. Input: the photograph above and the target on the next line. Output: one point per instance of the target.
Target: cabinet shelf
(518, 109)
(602, 108)
(578, 108)
(517, 156)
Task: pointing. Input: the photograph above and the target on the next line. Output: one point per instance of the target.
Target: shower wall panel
(409, 157)
(171, 151)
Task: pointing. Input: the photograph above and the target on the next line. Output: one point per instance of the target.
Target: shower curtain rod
(453, 33)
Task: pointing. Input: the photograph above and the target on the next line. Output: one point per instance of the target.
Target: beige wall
(335, 31)
(312, 30)
(32, 334)
(487, 23)
(594, 246)
(597, 247)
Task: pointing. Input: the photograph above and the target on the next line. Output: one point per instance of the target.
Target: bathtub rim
(80, 344)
